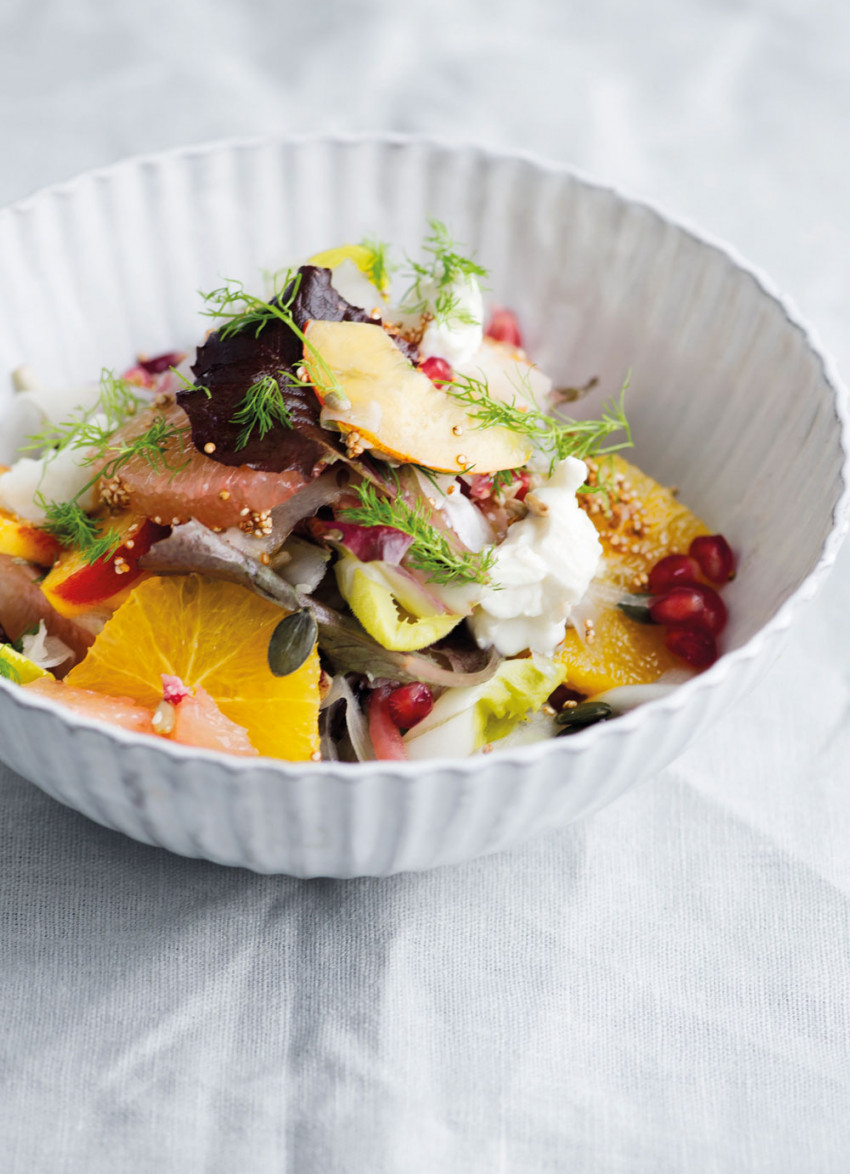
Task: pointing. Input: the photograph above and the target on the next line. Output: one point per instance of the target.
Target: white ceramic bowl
(730, 399)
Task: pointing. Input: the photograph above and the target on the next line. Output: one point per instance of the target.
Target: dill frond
(239, 311)
(446, 267)
(151, 446)
(90, 427)
(557, 437)
(379, 265)
(71, 526)
(262, 407)
(431, 552)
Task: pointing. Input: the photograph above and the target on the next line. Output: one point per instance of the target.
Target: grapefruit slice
(188, 484)
(198, 721)
(212, 635)
(117, 711)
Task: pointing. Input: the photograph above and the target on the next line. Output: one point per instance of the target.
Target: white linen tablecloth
(664, 988)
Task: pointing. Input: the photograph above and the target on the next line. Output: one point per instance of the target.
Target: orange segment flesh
(212, 635)
(623, 651)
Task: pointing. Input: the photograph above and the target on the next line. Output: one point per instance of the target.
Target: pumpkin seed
(586, 713)
(636, 607)
(292, 641)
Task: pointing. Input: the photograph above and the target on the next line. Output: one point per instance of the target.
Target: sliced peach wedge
(74, 585)
(21, 538)
(396, 409)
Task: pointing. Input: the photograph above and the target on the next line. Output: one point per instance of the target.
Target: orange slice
(213, 635)
(639, 522)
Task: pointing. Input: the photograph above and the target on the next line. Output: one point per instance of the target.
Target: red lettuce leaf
(227, 367)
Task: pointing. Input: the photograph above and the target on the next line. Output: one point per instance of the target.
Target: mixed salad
(357, 523)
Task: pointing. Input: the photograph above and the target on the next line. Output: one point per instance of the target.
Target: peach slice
(396, 409)
(23, 539)
(74, 585)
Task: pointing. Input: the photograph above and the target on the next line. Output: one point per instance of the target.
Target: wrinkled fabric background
(661, 989)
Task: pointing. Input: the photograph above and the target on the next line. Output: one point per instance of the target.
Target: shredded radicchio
(370, 543)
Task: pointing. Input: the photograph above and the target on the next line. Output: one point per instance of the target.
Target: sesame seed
(243, 513)
(224, 495)
(209, 447)
(570, 704)
(549, 710)
(461, 459)
(129, 544)
(457, 430)
(264, 559)
(487, 749)
(316, 756)
(158, 520)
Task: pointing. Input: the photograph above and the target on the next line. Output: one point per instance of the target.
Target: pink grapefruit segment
(117, 711)
(191, 485)
(198, 721)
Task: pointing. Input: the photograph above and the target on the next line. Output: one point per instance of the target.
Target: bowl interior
(727, 399)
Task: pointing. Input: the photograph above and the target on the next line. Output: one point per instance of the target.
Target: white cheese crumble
(541, 570)
(455, 336)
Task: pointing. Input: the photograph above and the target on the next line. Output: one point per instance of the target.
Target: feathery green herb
(262, 407)
(71, 526)
(240, 311)
(446, 268)
(379, 265)
(187, 383)
(556, 437)
(431, 552)
(69, 523)
(91, 427)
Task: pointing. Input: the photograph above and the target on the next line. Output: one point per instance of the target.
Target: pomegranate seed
(480, 486)
(409, 704)
(385, 734)
(173, 689)
(438, 370)
(693, 644)
(525, 485)
(715, 557)
(503, 327)
(674, 570)
(695, 604)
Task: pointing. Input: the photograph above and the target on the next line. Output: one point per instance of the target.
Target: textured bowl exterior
(730, 399)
